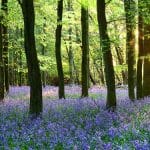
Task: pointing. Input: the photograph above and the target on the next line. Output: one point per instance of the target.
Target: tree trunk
(146, 69)
(130, 9)
(43, 72)
(92, 79)
(32, 61)
(70, 53)
(5, 45)
(107, 56)
(121, 61)
(58, 49)
(85, 48)
(1, 65)
(139, 80)
(20, 62)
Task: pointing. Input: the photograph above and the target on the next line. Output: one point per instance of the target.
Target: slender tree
(146, 68)
(31, 56)
(58, 49)
(5, 43)
(43, 53)
(70, 51)
(1, 65)
(85, 47)
(20, 80)
(139, 84)
(107, 56)
(130, 9)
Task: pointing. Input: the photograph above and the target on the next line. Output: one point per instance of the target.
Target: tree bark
(85, 48)
(58, 49)
(146, 69)
(139, 80)
(20, 62)
(5, 45)
(92, 79)
(43, 53)
(130, 9)
(1, 65)
(70, 51)
(32, 60)
(107, 56)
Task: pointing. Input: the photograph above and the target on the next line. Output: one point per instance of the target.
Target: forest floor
(74, 123)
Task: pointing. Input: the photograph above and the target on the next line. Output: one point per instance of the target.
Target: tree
(107, 56)
(1, 65)
(43, 53)
(130, 9)
(85, 47)
(139, 85)
(20, 61)
(5, 43)
(58, 49)
(146, 52)
(31, 56)
(70, 51)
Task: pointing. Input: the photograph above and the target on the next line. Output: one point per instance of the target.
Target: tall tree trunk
(107, 56)
(43, 72)
(70, 53)
(1, 65)
(85, 47)
(5, 45)
(32, 61)
(20, 62)
(139, 80)
(58, 49)
(43, 53)
(146, 69)
(130, 9)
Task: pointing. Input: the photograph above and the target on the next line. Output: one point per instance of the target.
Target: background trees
(86, 44)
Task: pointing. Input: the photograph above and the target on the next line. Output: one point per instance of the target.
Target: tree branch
(108, 2)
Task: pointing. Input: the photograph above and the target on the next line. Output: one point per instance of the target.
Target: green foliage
(59, 146)
(45, 25)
